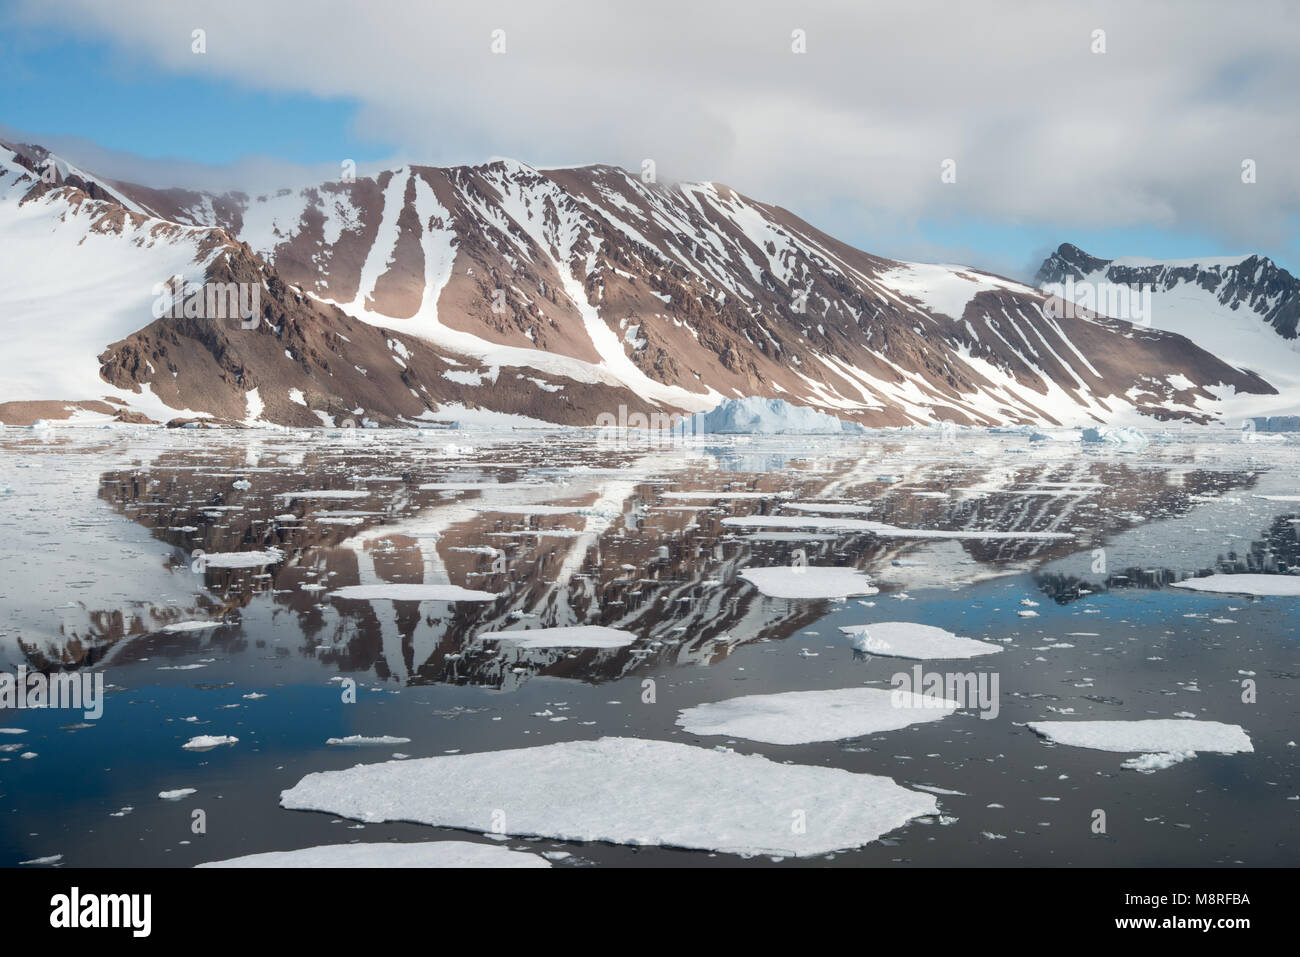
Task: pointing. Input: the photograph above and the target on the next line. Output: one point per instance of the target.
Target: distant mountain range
(472, 294)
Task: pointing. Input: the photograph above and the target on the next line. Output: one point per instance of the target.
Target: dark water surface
(98, 540)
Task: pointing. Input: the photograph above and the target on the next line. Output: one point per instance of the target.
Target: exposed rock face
(562, 294)
(1254, 284)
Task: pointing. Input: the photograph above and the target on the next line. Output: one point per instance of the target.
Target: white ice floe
(325, 493)
(254, 559)
(357, 740)
(399, 592)
(424, 854)
(176, 794)
(625, 791)
(1155, 735)
(574, 636)
(204, 742)
(803, 717)
(880, 528)
(708, 496)
(1284, 585)
(905, 639)
(809, 581)
(192, 626)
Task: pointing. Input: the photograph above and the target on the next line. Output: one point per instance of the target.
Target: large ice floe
(804, 717)
(905, 639)
(625, 791)
(1162, 742)
(411, 592)
(758, 416)
(1259, 585)
(572, 636)
(424, 854)
(809, 581)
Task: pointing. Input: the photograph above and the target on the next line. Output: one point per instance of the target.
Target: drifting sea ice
(905, 639)
(809, 581)
(1158, 739)
(625, 791)
(360, 740)
(411, 592)
(575, 636)
(255, 559)
(206, 742)
(1259, 585)
(425, 854)
(804, 717)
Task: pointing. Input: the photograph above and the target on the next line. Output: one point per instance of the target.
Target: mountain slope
(1243, 309)
(561, 294)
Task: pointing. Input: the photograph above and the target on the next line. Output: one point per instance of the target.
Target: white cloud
(1151, 133)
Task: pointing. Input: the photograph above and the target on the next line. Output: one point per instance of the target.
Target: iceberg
(757, 416)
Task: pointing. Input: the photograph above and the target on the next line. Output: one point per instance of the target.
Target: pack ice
(804, 717)
(424, 854)
(809, 581)
(905, 639)
(1259, 585)
(1154, 735)
(573, 636)
(625, 791)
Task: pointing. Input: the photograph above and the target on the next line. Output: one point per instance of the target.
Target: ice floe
(905, 639)
(411, 592)
(254, 559)
(804, 717)
(361, 740)
(423, 854)
(809, 581)
(1245, 584)
(625, 791)
(573, 636)
(1149, 736)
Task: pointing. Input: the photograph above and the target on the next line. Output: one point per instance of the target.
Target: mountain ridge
(598, 289)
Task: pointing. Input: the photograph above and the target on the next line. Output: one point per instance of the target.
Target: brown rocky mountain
(429, 294)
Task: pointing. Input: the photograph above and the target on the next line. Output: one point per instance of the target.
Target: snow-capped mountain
(1244, 309)
(557, 294)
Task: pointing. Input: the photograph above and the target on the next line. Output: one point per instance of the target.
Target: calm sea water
(107, 538)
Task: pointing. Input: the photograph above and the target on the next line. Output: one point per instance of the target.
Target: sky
(1120, 127)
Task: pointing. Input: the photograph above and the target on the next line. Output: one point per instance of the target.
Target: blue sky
(1093, 151)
